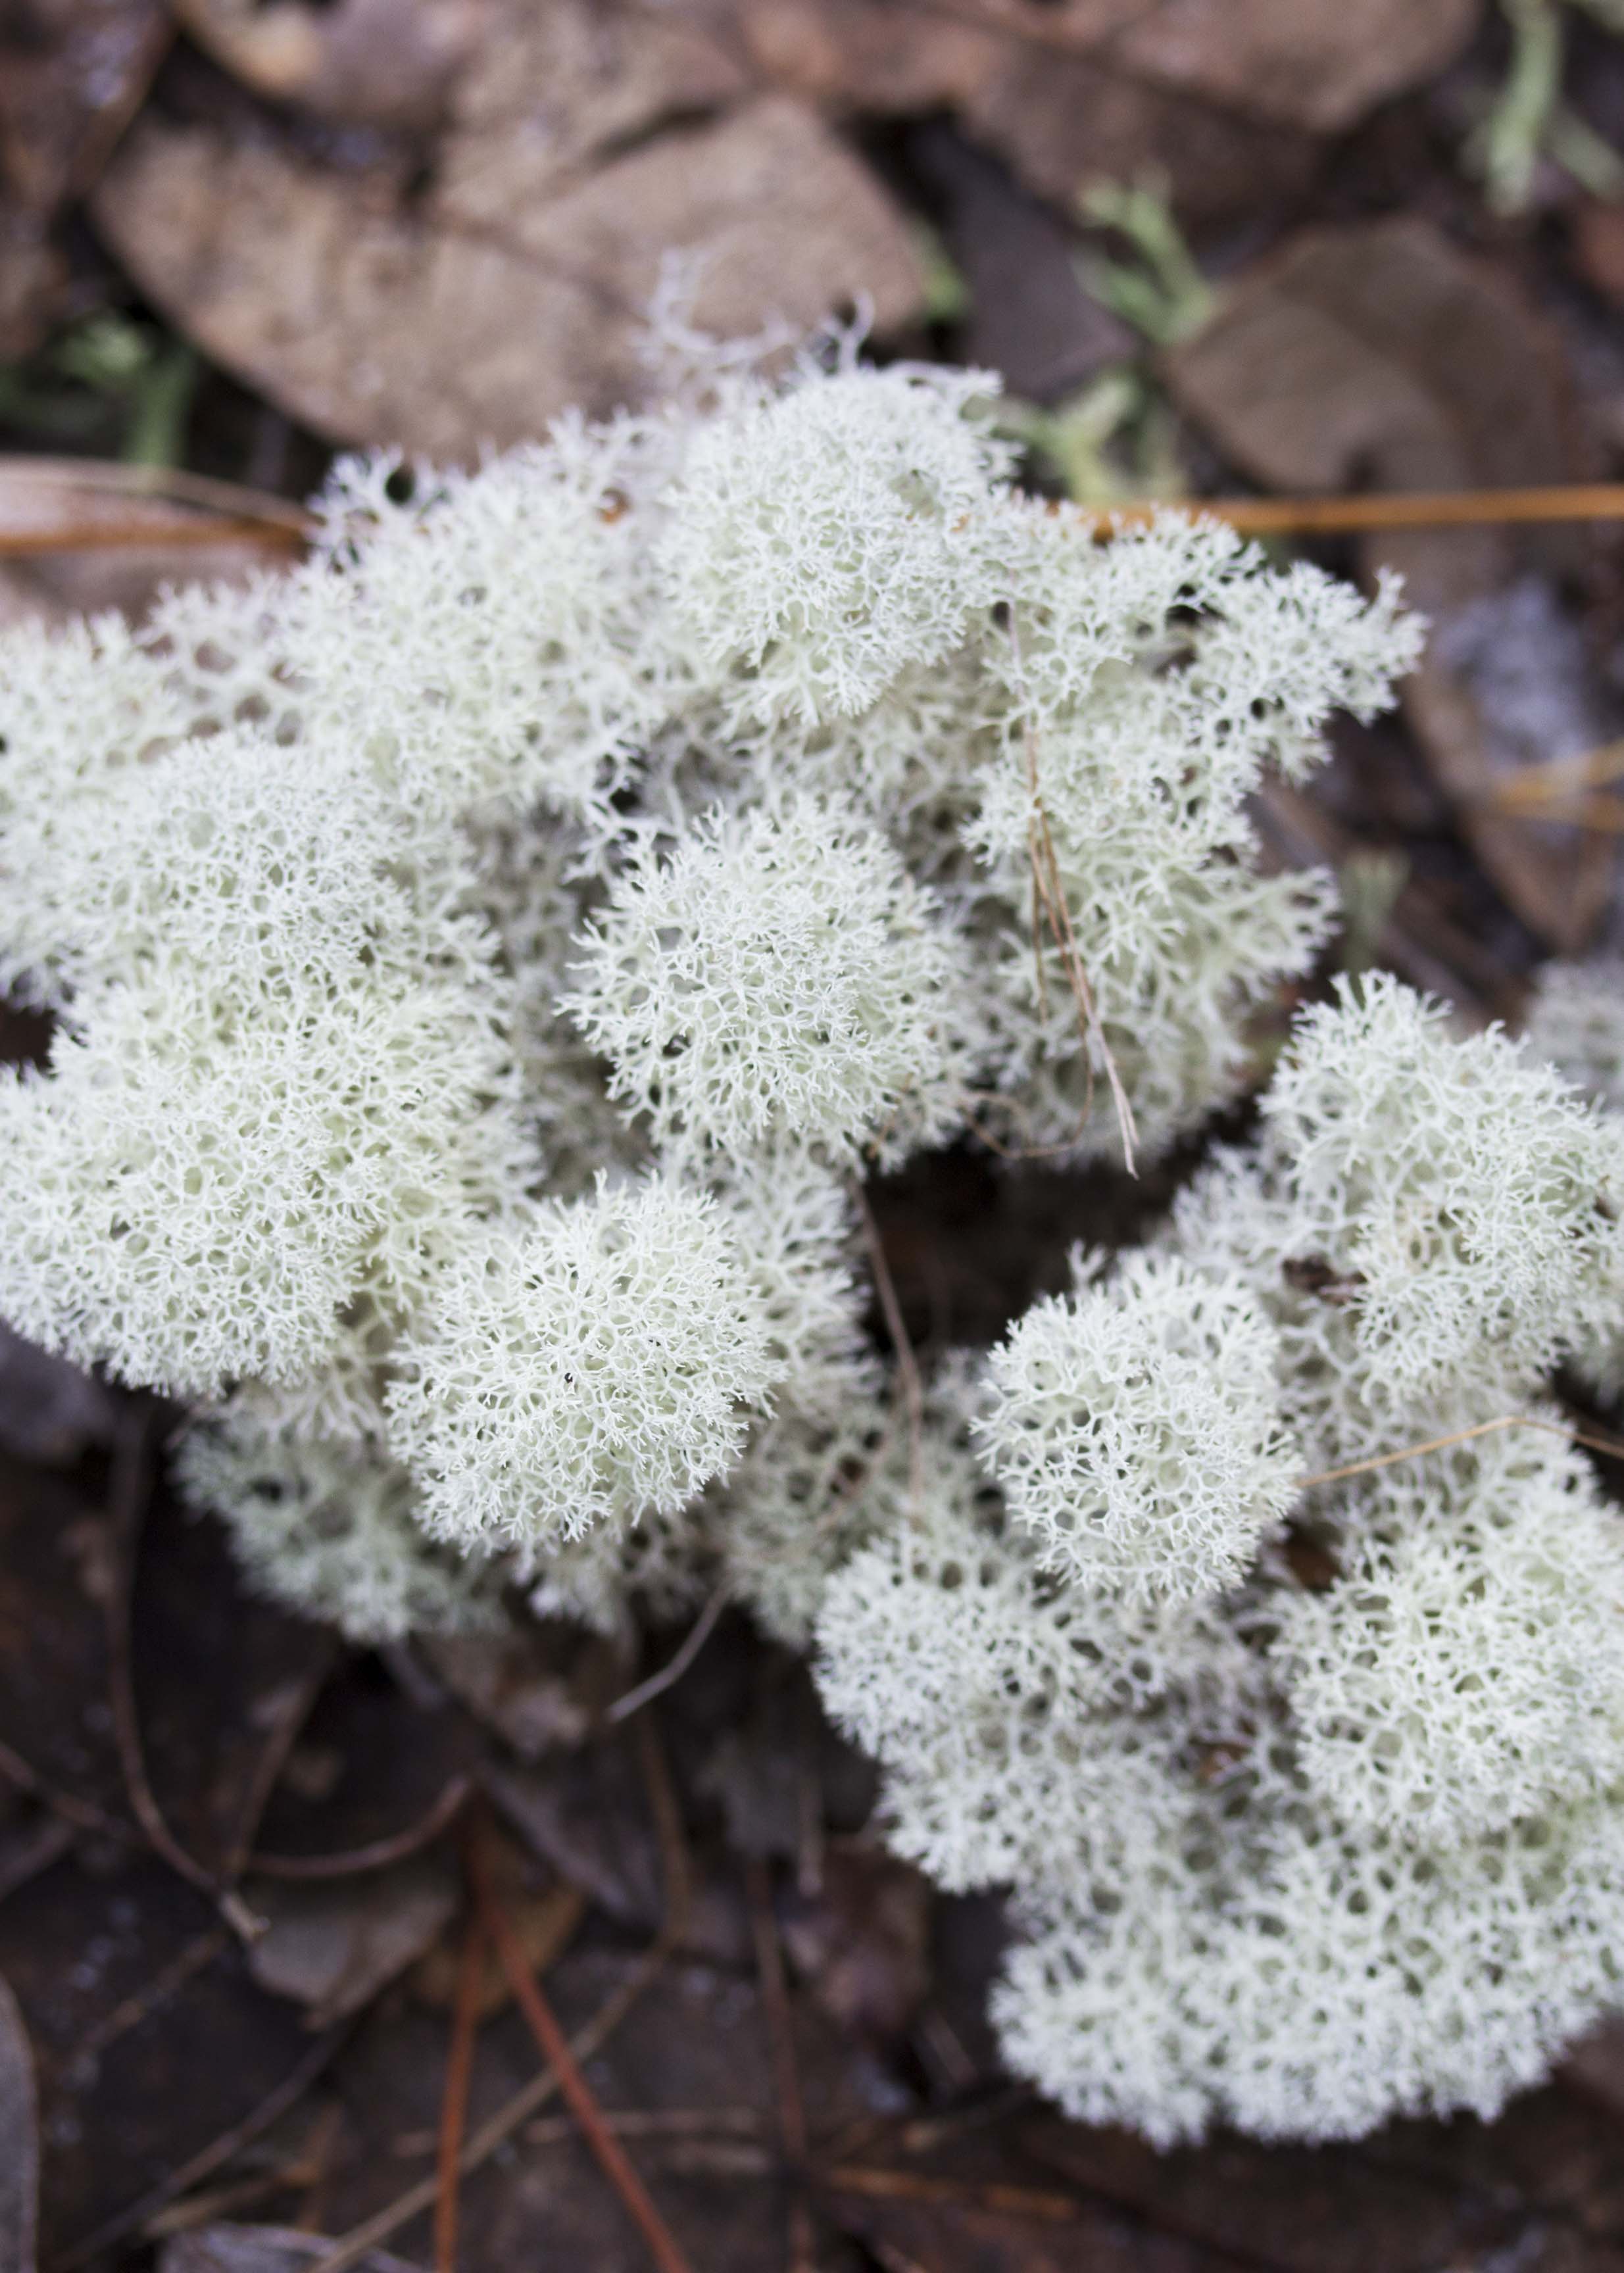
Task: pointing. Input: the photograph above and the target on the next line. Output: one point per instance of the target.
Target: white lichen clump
(1316, 1827)
(485, 962)
(1133, 1428)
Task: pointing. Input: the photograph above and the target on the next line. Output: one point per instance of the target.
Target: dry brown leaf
(541, 1687)
(332, 1947)
(1062, 122)
(227, 2249)
(413, 325)
(374, 62)
(71, 72)
(1315, 66)
(544, 1917)
(862, 1941)
(551, 92)
(1378, 357)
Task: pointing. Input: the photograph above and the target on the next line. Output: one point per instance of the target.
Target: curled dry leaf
(497, 300)
(333, 1947)
(1378, 357)
(227, 2248)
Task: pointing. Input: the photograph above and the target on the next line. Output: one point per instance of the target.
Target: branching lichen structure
(485, 960)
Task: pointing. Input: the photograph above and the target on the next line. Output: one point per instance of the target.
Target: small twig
(211, 2158)
(656, 2123)
(130, 1492)
(198, 1955)
(651, 2123)
(1389, 509)
(134, 536)
(496, 2131)
(1611, 1446)
(239, 516)
(83, 1814)
(454, 2099)
(353, 1861)
(912, 2186)
(698, 1634)
(776, 2008)
(907, 1364)
(1049, 889)
(553, 2045)
(226, 512)
(351, 2247)
(294, 1708)
(676, 1872)
(781, 2048)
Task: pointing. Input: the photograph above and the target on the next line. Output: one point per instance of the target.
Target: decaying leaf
(374, 62)
(227, 2249)
(859, 1942)
(586, 1816)
(19, 2142)
(71, 72)
(50, 1411)
(541, 1687)
(333, 1947)
(1378, 357)
(416, 327)
(1335, 2208)
(133, 1991)
(1313, 64)
(542, 1911)
(224, 1681)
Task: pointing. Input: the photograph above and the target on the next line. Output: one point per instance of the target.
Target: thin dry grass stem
(94, 512)
(230, 515)
(454, 2098)
(907, 1365)
(1612, 1447)
(781, 2050)
(78, 1814)
(354, 1861)
(1568, 790)
(137, 2217)
(587, 2043)
(697, 1635)
(186, 529)
(553, 2045)
(914, 2185)
(1403, 509)
(1048, 891)
(1063, 1150)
